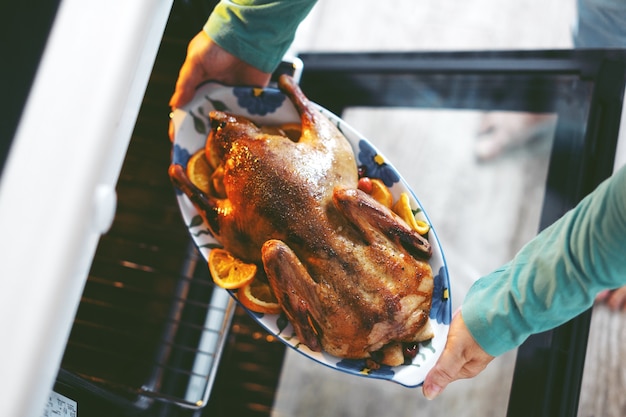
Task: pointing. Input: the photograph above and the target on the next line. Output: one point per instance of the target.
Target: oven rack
(146, 334)
(151, 326)
(152, 334)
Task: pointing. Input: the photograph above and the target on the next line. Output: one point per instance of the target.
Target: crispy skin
(350, 275)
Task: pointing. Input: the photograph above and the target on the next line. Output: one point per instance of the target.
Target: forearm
(556, 276)
(258, 32)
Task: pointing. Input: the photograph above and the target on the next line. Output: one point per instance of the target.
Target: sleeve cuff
(257, 32)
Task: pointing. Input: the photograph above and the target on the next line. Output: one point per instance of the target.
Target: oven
(108, 308)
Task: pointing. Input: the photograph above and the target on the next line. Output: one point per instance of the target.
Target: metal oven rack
(150, 325)
(144, 335)
(151, 329)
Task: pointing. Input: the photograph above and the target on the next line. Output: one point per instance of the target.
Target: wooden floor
(483, 212)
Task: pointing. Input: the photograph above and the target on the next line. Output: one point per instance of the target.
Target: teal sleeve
(556, 276)
(258, 32)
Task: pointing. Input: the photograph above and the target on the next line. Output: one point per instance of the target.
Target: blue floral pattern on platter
(180, 155)
(270, 107)
(257, 100)
(441, 310)
(375, 165)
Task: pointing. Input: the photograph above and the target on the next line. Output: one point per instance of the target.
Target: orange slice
(381, 193)
(199, 171)
(258, 297)
(403, 209)
(229, 272)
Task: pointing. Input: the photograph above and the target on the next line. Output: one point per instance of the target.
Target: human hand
(461, 358)
(614, 299)
(208, 61)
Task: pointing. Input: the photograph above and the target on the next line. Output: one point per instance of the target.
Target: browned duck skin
(349, 274)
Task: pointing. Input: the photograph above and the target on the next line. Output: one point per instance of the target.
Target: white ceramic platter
(270, 107)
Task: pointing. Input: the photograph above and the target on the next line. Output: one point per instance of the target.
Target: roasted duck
(350, 275)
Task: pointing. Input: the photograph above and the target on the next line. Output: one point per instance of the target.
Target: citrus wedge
(229, 272)
(257, 296)
(403, 209)
(199, 171)
(381, 193)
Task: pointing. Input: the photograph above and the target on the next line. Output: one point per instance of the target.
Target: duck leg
(295, 290)
(368, 216)
(210, 208)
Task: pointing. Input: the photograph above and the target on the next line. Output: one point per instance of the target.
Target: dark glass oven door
(581, 92)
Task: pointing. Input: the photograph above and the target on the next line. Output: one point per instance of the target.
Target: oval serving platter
(270, 107)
